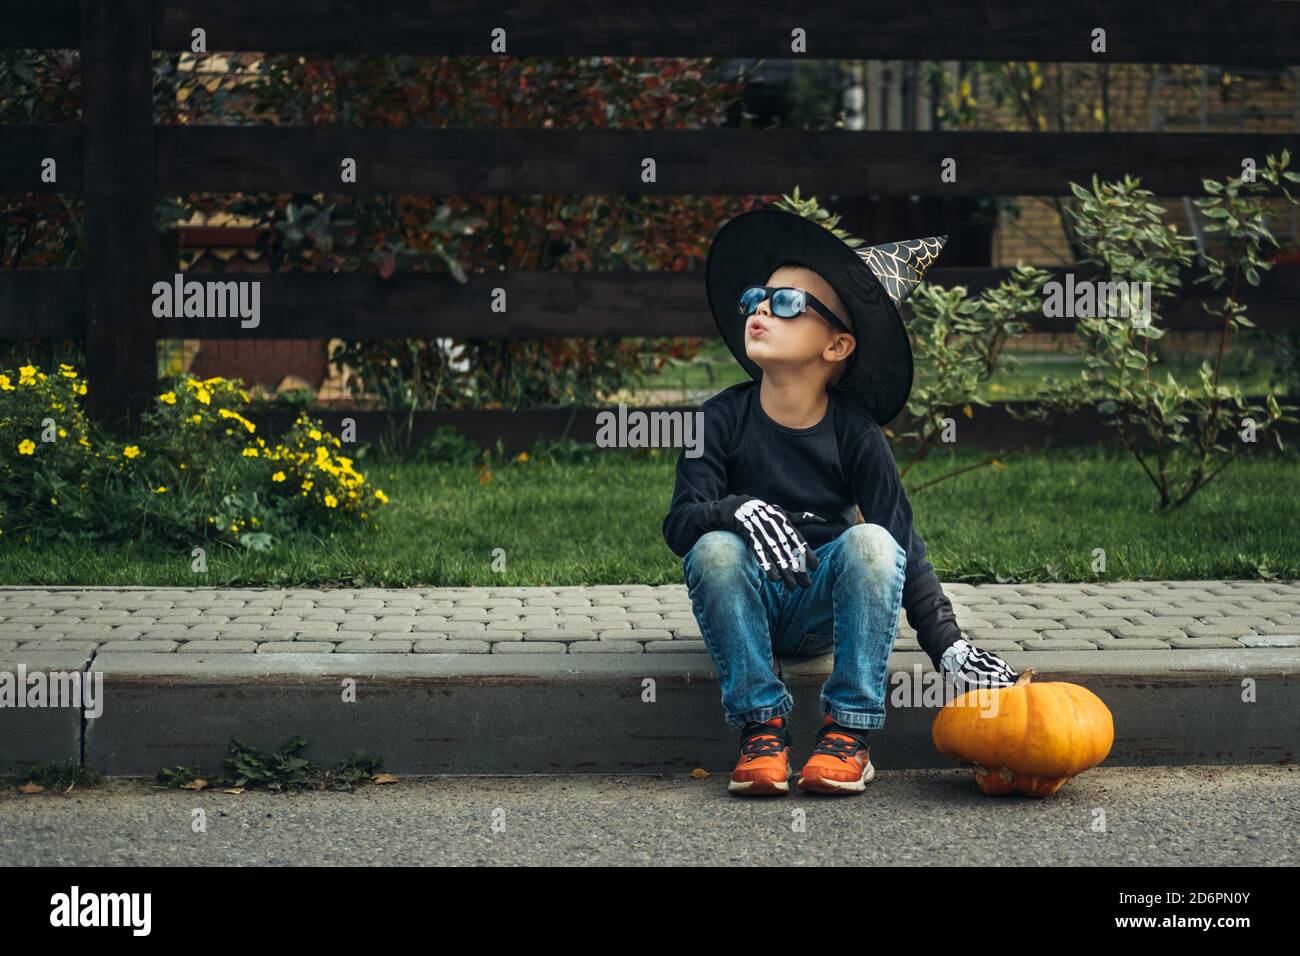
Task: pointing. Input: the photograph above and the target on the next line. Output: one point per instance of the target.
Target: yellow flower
(381, 496)
(315, 434)
(168, 397)
(196, 418)
(227, 413)
(160, 489)
(204, 396)
(278, 476)
(67, 374)
(131, 451)
(331, 501)
(26, 446)
(307, 484)
(63, 433)
(55, 502)
(249, 453)
(4, 384)
(26, 374)
(81, 390)
(522, 456)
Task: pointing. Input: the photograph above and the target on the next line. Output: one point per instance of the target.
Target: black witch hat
(872, 282)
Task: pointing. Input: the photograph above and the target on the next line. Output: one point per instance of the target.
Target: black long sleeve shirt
(840, 464)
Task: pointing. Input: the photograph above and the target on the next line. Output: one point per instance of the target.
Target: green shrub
(47, 458)
(195, 472)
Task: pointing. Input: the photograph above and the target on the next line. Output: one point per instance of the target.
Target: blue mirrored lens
(750, 298)
(787, 303)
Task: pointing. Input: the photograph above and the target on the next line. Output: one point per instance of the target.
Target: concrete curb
(511, 714)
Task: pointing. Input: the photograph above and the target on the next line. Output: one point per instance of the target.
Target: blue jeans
(746, 619)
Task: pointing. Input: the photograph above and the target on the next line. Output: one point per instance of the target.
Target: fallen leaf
(383, 778)
(198, 783)
(699, 773)
(235, 790)
(31, 788)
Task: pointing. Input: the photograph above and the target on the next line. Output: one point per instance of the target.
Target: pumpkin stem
(1025, 677)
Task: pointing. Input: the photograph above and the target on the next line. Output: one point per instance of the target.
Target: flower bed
(195, 473)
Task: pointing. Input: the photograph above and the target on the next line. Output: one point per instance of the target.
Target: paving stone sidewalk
(630, 619)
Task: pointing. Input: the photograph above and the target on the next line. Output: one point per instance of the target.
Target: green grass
(1255, 377)
(714, 368)
(1037, 518)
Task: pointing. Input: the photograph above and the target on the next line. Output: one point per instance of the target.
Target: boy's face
(807, 339)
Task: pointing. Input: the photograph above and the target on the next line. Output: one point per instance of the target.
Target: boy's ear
(841, 346)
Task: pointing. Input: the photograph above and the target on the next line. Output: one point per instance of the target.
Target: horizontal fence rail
(193, 159)
(306, 305)
(23, 149)
(1256, 32)
(993, 428)
(697, 162)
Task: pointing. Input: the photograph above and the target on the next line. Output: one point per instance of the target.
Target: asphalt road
(1192, 816)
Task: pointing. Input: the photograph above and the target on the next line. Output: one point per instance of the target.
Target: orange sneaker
(840, 762)
(764, 765)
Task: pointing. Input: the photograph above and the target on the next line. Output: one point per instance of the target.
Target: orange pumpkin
(1039, 735)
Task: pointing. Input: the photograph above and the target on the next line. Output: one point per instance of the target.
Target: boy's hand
(975, 668)
(780, 549)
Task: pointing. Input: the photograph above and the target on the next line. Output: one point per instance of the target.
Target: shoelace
(762, 740)
(836, 746)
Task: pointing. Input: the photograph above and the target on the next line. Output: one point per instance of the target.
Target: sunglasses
(787, 302)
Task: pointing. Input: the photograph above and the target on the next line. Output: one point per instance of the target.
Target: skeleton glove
(781, 551)
(972, 667)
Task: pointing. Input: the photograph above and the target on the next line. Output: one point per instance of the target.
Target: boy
(764, 518)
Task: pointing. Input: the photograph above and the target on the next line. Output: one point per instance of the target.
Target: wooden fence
(119, 159)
